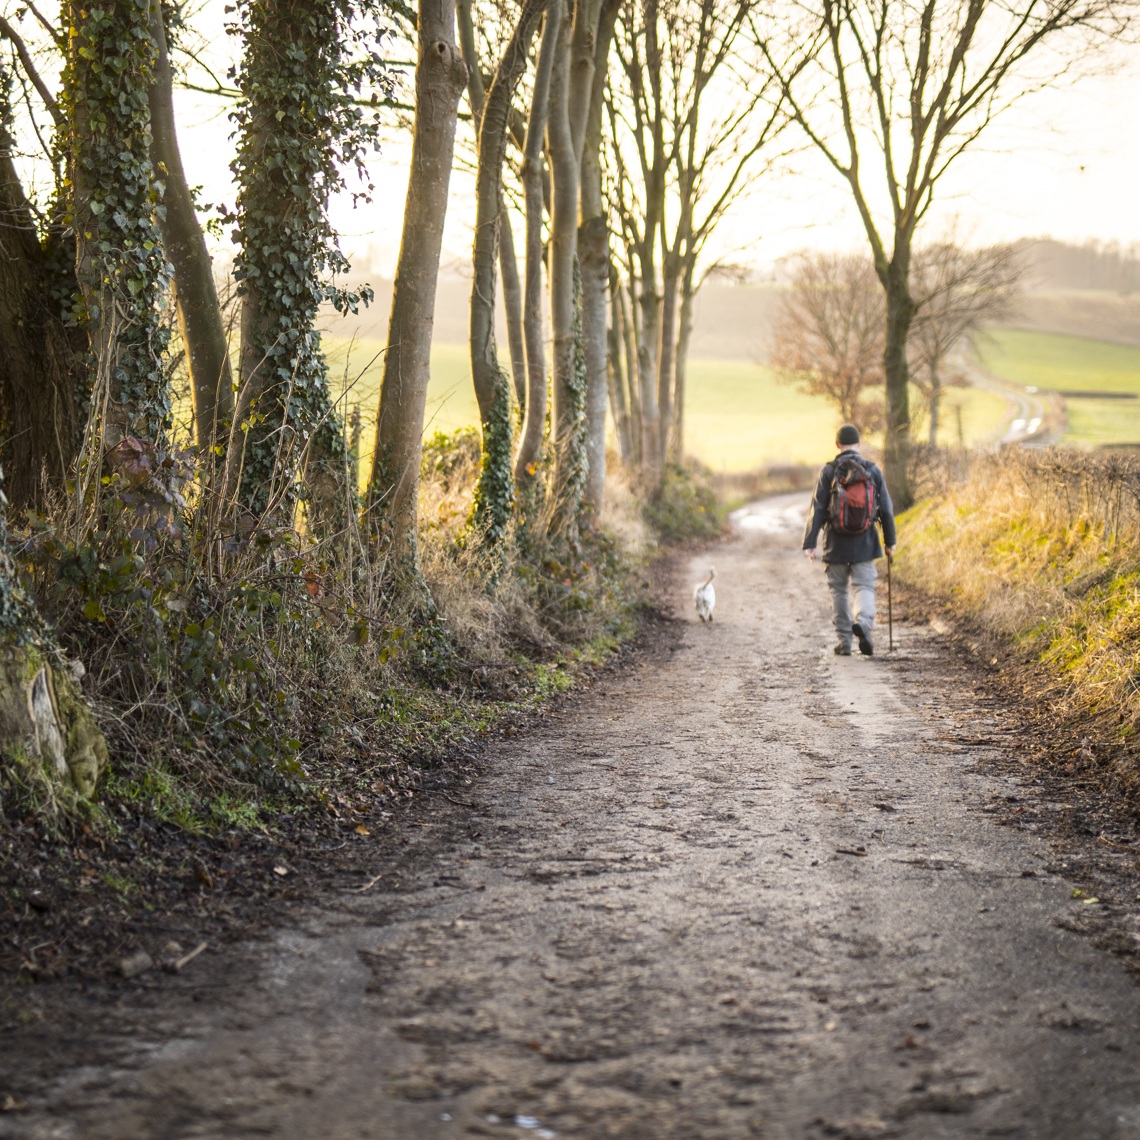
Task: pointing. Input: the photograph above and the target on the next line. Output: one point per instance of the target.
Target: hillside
(734, 322)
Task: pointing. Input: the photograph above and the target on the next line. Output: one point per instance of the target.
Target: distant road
(1028, 411)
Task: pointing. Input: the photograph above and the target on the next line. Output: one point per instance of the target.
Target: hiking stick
(890, 610)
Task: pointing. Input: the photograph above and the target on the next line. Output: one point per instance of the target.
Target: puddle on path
(773, 516)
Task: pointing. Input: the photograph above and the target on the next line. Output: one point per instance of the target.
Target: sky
(1063, 163)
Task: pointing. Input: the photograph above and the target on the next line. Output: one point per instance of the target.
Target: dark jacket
(863, 547)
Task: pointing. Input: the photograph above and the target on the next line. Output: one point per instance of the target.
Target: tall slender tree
(594, 257)
(956, 291)
(508, 260)
(534, 426)
(494, 495)
(692, 122)
(393, 485)
(911, 88)
(196, 294)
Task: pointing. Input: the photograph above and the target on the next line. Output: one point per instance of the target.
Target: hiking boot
(842, 650)
(865, 646)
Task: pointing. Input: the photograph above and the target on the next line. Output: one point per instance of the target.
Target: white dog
(705, 597)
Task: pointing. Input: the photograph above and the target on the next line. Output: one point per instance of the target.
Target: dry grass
(229, 674)
(1043, 548)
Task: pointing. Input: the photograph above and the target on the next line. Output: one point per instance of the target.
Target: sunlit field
(1052, 362)
(738, 418)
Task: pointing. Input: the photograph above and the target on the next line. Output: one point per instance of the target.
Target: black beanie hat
(847, 435)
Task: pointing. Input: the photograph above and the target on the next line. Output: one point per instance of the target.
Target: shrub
(686, 506)
(247, 665)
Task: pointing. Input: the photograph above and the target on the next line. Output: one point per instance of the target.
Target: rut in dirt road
(747, 890)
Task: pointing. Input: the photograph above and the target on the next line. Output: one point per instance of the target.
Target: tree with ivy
(300, 124)
(121, 268)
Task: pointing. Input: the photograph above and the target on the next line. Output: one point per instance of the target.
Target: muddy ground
(743, 889)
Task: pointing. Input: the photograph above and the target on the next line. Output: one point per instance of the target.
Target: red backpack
(852, 507)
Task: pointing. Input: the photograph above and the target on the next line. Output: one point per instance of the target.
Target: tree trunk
(668, 352)
(936, 394)
(40, 370)
(508, 261)
(900, 310)
(513, 306)
(534, 427)
(583, 64)
(333, 497)
(630, 339)
(649, 306)
(494, 495)
(619, 405)
(120, 263)
(393, 486)
(594, 255)
(289, 439)
(45, 722)
(684, 337)
(196, 294)
(563, 255)
(595, 260)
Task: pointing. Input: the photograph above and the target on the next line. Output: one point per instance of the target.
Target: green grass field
(738, 417)
(1052, 362)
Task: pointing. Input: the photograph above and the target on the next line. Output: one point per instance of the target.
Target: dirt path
(747, 890)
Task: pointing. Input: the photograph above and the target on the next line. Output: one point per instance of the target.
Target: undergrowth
(687, 506)
(1043, 549)
(252, 674)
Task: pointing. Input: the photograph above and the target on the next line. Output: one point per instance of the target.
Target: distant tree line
(1052, 264)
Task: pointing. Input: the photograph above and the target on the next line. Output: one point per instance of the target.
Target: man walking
(850, 497)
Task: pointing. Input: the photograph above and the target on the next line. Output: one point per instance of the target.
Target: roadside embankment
(1041, 551)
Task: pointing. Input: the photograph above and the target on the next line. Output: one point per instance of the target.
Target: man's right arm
(818, 512)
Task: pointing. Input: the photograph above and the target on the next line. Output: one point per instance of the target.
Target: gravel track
(746, 889)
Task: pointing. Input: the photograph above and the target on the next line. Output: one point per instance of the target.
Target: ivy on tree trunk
(121, 268)
(298, 126)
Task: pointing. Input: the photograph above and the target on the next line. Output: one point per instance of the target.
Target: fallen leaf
(362, 830)
(281, 870)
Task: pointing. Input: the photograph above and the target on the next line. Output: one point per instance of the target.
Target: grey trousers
(842, 577)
